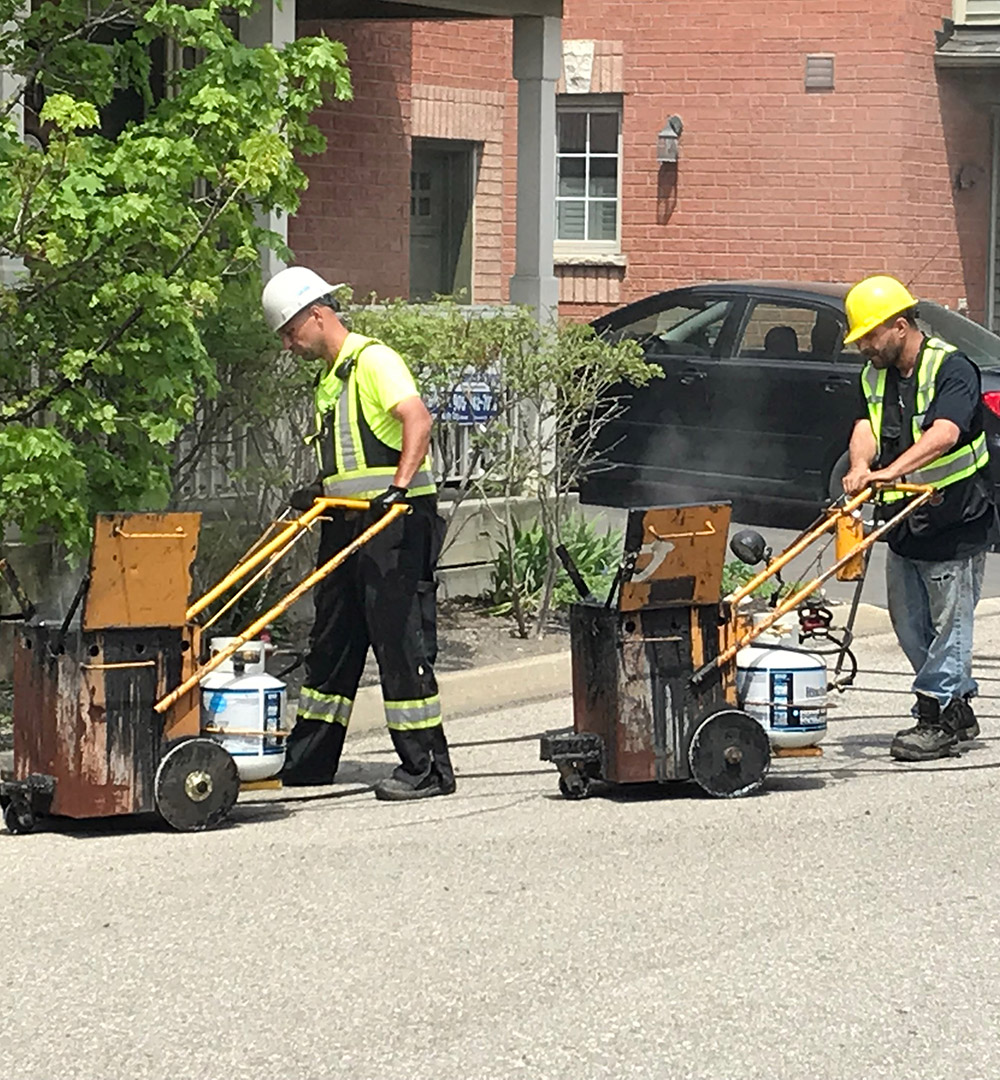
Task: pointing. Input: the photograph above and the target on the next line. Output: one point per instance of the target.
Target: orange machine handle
(394, 511)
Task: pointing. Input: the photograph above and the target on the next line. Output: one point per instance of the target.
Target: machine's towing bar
(923, 493)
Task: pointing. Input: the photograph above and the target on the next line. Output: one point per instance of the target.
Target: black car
(757, 401)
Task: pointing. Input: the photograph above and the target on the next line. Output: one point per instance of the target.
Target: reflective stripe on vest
(947, 469)
(347, 474)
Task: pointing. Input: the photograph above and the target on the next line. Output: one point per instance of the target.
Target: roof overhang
(967, 46)
(427, 9)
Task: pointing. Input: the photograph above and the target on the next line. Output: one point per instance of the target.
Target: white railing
(224, 466)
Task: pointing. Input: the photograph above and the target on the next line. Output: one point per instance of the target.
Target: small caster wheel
(577, 787)
(18, 821)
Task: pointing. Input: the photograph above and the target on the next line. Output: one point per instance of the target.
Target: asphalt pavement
(845, 923)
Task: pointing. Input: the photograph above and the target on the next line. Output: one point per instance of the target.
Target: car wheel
(835, 487)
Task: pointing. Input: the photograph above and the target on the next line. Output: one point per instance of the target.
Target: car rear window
(978, 343)
(784, 331)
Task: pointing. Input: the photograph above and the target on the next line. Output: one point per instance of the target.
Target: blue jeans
(931, 605)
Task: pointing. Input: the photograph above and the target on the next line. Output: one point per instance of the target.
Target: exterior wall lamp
(667, 150)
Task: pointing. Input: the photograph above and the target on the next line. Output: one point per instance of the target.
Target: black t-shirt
(960, 521)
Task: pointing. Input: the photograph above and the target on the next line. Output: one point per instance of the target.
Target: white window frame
(979, 15)
(590, 103)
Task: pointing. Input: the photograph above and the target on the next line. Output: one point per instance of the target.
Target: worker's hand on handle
(882, 478)
(303, 498)
(857, 479)
(381, 503)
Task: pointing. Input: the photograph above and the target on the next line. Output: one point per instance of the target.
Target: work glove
(303, 499)
(381, 503)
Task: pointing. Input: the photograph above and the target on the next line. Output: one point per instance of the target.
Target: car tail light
(991, 399)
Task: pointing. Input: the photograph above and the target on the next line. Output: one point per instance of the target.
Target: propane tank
(241, 697)
(785, 691)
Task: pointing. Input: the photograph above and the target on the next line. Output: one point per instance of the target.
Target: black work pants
(382, 597)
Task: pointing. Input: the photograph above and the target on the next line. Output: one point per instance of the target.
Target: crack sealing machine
(108, 716)
(655, 696)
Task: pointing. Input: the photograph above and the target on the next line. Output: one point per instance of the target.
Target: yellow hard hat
(873, 301)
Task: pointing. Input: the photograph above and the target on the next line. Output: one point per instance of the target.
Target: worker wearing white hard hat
(373, 442)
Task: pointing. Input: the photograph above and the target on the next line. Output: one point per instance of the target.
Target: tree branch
(63, 384)
(112, 15)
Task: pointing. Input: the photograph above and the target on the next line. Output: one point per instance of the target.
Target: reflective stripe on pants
(331, 708)
(411, 715)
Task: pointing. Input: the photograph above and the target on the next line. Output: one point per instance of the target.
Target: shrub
(526, 563)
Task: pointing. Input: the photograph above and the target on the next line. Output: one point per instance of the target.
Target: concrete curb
(536, 678)
(479, 689)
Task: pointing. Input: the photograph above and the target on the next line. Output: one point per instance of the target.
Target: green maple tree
(129, 245)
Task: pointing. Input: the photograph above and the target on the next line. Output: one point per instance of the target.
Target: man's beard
(885, 357)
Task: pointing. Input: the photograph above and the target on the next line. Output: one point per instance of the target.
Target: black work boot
(401, 787)
(426, 768)
(930, 738)
(958, 716)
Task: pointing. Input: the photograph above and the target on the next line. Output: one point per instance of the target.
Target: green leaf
(68, 114)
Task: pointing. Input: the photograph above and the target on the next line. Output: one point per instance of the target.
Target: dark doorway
(442, 181)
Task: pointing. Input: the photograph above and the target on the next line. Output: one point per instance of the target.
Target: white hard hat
(291, 290)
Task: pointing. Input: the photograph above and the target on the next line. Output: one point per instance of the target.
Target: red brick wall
(353, 223)
(773, 181)
(472, 54)
(465, 68)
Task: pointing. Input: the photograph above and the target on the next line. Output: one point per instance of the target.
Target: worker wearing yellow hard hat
(873, 301)
(920, 419)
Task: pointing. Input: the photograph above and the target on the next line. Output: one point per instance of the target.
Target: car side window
(790, 332)
(689, 329)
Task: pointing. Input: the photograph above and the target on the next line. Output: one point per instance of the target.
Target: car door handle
(686, 378)
(835, 382)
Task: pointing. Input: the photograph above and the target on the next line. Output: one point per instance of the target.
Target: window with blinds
(588, 180)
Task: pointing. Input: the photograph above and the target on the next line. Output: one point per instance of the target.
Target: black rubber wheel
(18, 821)
(578, 789)
(729, 754)
(196, 785)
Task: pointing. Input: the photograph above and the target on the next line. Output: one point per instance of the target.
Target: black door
(441, 188)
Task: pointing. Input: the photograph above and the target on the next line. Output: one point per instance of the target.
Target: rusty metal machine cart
(84, 743)
(107, 714)
(654, 667)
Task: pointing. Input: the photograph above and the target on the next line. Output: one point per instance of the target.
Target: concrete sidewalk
(464, 693)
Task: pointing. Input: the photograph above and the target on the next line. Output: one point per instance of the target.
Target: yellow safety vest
(353, 461)
(948, 468)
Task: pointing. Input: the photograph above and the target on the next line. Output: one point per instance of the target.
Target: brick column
(537, 67)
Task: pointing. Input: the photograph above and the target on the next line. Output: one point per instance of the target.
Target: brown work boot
(926, 710)
(930, 738)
